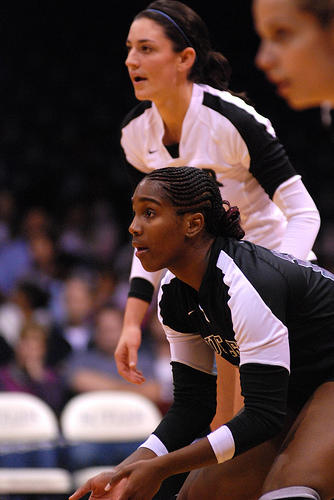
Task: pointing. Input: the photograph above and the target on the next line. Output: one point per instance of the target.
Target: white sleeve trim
(222, 443)
(153, 443)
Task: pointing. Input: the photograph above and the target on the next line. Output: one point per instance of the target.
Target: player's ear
(195, 224)
(187, 58)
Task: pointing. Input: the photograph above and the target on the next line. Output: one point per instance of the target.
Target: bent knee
(212, 484)
(285, 474)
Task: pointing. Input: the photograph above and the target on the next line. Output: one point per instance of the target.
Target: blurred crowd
(63, 288)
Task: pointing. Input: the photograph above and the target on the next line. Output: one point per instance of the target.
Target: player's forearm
(134, 314)
(139, 454)
(197, 455)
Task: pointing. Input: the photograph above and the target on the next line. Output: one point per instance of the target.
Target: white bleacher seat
(28, 423)
(107, 417)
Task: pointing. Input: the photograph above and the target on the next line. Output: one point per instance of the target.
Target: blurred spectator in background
(28, 371)
(95, 368)
(89, 232)
(74, 230)
(48, 270)
(105, 233)
(6, 351)
(16, 256)
(73, 331)
(27, 302)
(106, 285)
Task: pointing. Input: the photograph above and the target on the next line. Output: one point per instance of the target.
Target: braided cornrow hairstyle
(193, 190)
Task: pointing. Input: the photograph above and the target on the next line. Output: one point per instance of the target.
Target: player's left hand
(137, 481)
(143, 480)
(97, 485)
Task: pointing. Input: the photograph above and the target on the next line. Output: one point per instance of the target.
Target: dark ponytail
(230, 222)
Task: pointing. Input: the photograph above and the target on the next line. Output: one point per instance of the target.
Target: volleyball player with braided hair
(268, 313)
(188, 116)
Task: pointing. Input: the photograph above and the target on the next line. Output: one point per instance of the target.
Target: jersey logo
(222, 346)
(151, 151)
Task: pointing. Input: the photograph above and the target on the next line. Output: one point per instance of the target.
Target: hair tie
(175, 24)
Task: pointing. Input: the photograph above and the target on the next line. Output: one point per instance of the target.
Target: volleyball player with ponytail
(188, 116)
(271, 315)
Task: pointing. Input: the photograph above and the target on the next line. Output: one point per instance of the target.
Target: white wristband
(153, 443)
(222, 443)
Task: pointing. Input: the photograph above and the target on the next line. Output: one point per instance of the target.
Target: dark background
(64, 90)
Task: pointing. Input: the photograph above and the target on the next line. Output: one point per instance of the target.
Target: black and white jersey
(254, 306)
(221, 132)
(269, 314)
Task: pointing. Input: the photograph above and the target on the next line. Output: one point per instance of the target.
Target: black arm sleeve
(264, 388)
(142, 289)
(193, 409)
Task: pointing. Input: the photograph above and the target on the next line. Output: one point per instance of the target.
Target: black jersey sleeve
(193, 409)
(270, 164)
(264, 388)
